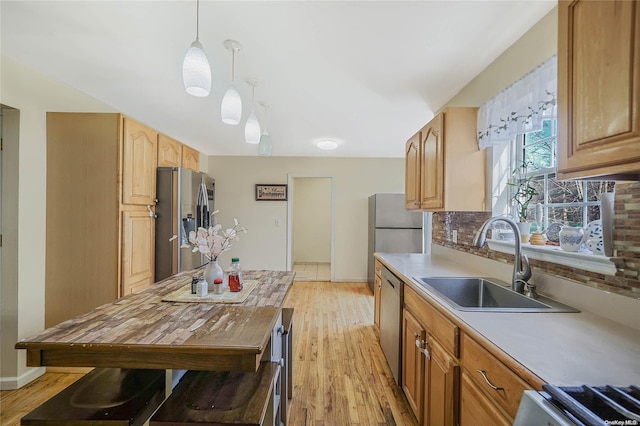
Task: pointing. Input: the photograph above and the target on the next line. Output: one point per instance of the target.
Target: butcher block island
(143, 331)
(215, 360)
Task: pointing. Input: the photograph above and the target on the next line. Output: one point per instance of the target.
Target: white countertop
(566, 349)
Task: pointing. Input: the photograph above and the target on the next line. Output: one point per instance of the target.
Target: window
(570, 202)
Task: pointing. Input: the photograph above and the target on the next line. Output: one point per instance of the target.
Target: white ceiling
(365, 73)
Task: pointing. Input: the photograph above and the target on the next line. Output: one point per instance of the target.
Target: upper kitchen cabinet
(599, 89)
(412, 173)
(190, 158)
(172, 153)
(445, 170)
(169, 152)
(139, 163)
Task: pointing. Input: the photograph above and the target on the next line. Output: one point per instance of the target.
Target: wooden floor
(340, 373)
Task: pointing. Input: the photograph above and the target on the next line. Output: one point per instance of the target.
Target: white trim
(13, 383)
(553, 254)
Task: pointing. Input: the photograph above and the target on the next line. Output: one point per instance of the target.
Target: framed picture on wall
(271, 192)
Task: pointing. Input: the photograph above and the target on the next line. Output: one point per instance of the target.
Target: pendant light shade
(231, 109)
(252, 127)
(196, 71)
(264, 147)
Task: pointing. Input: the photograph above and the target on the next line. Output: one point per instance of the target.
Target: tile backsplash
(626, 243)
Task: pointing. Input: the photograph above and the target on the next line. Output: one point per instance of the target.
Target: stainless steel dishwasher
(391, 295)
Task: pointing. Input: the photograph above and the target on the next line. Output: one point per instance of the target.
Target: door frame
(290, 184)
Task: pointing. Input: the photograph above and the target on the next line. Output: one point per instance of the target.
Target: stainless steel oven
(580, 405)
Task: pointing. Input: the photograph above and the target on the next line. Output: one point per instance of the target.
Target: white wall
(533, 48)
(265, 245)
(33, 95)
(311, 220)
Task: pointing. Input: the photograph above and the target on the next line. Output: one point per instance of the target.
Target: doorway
(310, 227)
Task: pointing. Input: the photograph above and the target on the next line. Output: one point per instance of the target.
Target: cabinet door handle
(151, 213)
(421, 345)
(486, 379)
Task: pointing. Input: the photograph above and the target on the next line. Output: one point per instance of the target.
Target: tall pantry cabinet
(101, 172)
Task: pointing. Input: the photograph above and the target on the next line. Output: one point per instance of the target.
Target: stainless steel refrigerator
(185, 202)
(392, 228)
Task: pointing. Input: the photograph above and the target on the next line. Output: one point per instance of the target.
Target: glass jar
(235, 275)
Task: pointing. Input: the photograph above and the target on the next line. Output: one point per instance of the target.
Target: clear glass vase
(213, 274)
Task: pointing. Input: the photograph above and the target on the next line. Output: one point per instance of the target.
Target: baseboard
(13, 383)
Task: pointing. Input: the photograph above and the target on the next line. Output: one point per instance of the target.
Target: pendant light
(264, 147)
(231, 109)
(196, 72)
(252, 127)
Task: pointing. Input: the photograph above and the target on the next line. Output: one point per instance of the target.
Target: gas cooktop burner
(597, 406)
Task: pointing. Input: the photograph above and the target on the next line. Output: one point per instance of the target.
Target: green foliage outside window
(571, 202)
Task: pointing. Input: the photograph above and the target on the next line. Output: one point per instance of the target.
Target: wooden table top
(143, 331)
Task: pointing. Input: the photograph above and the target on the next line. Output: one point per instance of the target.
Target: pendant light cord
(253, 95)
(197, 19)
(233, 63)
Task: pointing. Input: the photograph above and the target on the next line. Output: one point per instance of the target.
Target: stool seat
(215, 398)
(113, 396)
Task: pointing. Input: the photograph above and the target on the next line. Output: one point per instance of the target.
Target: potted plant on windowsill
(523, 194)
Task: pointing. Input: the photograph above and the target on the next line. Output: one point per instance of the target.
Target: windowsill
(554, 254)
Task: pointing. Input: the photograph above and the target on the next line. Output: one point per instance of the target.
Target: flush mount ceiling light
(252, 127)
(264, 148)
(231, 109)
(196, 72)
(327, 145)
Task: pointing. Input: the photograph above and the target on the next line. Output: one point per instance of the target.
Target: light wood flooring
(340, 374)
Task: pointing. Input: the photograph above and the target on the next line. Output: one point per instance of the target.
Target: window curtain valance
(521, 107)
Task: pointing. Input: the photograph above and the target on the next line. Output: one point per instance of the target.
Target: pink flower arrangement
(211, 243)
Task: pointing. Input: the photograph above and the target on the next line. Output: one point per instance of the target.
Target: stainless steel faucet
(520, 275)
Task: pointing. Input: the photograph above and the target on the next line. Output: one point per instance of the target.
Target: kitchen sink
(487, 295)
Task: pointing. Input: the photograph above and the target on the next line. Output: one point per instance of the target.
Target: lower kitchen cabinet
(497, 381)
(138, 245)
(476, 409)
(431, 375)
(413, 377)
(441, 395)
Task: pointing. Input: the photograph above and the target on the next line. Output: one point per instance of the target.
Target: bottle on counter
(194, 284)
(203, 287)
(235, 275)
